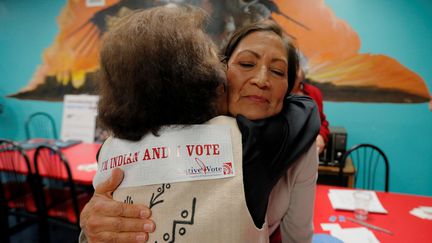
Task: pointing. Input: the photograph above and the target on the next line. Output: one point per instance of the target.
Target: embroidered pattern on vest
(128, 200)
(182, 231)
(184, 214)
(160, 190)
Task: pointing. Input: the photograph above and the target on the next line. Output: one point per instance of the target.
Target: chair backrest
(15, 176)
(17, 192)
(40, 125)
(369, 161)
(54, 176)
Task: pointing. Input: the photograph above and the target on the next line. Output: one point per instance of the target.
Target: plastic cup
(361, 204)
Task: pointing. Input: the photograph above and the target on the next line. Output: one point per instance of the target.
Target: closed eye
(246, 64)
(278, 72)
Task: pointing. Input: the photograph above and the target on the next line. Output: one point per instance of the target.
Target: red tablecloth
(81, 158)
(406, 227)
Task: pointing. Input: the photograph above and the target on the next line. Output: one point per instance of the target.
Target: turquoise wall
(395, 28)
(399, 29)
(26, 29)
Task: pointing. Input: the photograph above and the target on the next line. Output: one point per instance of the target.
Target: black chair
(17, 194)
(62, 201)
(368, 160)
(40, 125)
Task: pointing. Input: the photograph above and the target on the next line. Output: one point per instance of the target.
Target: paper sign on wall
(79, 117)
(95, 3)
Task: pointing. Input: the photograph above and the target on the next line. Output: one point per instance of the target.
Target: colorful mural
(330, 45)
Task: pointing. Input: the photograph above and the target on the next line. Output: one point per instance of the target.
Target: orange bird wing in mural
(335, 64)
(72, 60)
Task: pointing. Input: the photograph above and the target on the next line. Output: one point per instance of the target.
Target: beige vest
(198, 211)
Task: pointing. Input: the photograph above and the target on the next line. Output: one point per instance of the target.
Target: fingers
(114, 224)
(107, 187)
(102, 214)
(117, 237)
(109, 207)
(105, 220)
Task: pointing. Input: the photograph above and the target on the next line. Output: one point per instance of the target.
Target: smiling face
(257, 76)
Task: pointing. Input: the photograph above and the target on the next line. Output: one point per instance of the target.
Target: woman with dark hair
(172, 69)
(261, 59)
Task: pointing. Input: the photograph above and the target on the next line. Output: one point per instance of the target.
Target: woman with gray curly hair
(203, 183)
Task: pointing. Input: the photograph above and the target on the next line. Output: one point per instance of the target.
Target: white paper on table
(426, 209)
(422, 212)
(330, 226)
(88, 167)
(355, 235)
(343, 199)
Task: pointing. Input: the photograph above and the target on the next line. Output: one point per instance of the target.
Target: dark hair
(265, 25)
(157, 69)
